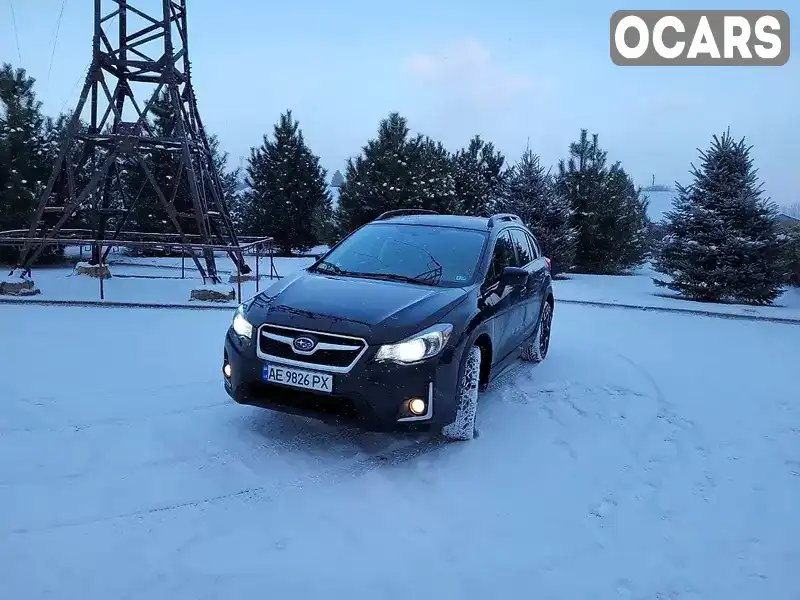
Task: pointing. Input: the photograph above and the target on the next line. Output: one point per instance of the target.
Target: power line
(55, 44)
(16, 32)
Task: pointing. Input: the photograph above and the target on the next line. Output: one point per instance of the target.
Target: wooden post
(239, 275)
(258, 260)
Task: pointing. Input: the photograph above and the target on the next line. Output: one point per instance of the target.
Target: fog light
(417, 406)
(226, 370)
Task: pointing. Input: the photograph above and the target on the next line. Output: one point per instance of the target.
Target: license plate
(299, 378)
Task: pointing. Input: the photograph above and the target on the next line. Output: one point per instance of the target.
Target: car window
(503, 256)
(534, 246)
(522, 245)
(433, 255)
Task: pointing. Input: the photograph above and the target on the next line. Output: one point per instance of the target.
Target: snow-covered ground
(638, 289)
(651, 456)
(159, 281)
(150, 280)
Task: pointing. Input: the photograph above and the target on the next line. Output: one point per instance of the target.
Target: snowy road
(652, 456)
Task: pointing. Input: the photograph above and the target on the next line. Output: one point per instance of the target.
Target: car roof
(476, 223)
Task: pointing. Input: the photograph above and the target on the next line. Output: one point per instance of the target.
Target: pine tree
(394, 172)
(338, 179)
(24, 153)
(478, 173)
(149, 214)
(791, 240)
(722, 241)
(627, 223)
(54, 134)
(530, 193)
(288, 188)
(609, 213)
(433, 181)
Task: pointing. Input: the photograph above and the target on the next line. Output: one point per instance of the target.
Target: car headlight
(241, 325)
(424, 345)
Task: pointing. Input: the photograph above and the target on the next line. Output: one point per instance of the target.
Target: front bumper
(371, 395)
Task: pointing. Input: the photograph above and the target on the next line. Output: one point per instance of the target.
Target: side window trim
(534, 246)
(524, 236)
(491, 279)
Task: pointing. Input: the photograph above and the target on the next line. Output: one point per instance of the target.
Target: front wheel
(463, 428)
(536, 351)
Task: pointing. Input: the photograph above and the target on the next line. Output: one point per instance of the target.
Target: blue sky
(514, 71)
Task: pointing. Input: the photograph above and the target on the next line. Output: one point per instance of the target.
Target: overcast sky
(511, 70)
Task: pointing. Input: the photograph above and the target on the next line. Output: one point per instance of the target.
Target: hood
(379, 311)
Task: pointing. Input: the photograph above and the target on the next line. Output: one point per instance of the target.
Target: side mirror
(514, 277)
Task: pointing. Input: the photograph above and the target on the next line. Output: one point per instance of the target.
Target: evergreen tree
(149, 214)
(478, 173)
(395, 172)
(288, 188)
(609, 213)
(54, 134)
(791, 239)
(24, 153)
(433, 181)
(626, 222)
(530, 193)
(337, 180)
(722, 241)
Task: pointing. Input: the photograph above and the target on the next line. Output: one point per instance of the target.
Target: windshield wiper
(390, 277)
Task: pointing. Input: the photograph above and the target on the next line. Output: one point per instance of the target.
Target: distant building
(785, 220)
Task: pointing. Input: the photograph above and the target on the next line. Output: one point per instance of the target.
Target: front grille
(332, 352)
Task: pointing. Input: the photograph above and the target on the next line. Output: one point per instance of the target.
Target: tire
(463, 428)
(536, 351)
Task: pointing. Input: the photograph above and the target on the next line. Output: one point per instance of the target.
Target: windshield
(417, 253)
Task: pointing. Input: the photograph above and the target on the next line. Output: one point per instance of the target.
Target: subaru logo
(304, 344)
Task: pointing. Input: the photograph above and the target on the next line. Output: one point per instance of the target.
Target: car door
(500, 304)
(528, 296)
(537, 281)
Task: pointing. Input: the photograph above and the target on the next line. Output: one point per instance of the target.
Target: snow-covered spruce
(463, 427)
(609, 212)
(530, 193)
(722, 243)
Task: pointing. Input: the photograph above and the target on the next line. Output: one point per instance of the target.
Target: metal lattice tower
(135, 54)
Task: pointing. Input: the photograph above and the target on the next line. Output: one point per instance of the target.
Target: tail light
(548, 263)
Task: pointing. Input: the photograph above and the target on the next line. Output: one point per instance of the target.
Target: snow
(15, 276)
(651, 455)
(150, 280)
(638, 289)
(159, 281)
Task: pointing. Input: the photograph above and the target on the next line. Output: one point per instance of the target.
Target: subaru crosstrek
(398, 326)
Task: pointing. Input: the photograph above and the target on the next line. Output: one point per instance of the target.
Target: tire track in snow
(395, 456)
(646, 480)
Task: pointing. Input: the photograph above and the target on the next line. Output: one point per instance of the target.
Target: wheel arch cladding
(484, 342)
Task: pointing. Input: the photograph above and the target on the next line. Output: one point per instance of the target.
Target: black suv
(398, 326)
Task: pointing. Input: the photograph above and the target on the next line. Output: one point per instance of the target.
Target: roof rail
(405, 211)
(502, 217)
